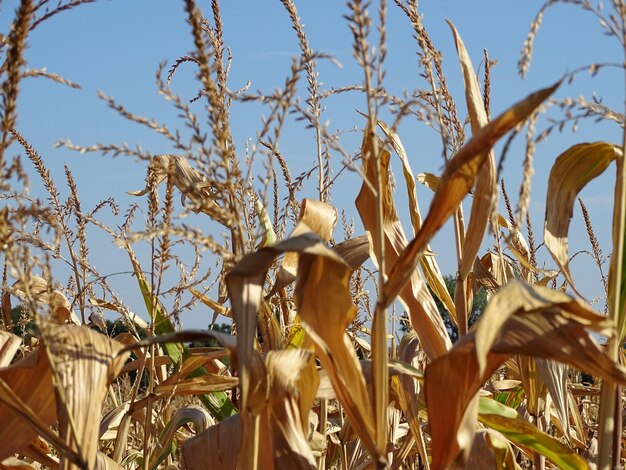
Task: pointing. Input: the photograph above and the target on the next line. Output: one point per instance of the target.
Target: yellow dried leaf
(189, 414)
(111, 421)
(518, 297)
(430, 268)
(430, 180)
(323, 276)
(491, 450)
(457, 180)
(554, 375)
(41, 452)
(103, 462)
(197, 385)
(407, 389)
(214, 448)
(571, 171)
(354, 251)
(216, 306)
(415, 297)
(520, 319)
(138, 321)
(30, 380)
(81, 356)
(321, 218)
(245, 285)
(484, 190)
(13, 463)
(36, 289)
(189, 182)
(533, 385)
(289, 433)
(9, 345)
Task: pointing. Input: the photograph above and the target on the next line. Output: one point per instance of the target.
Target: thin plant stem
(607, 429)
(321, 465)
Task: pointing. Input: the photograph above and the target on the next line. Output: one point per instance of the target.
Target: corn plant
(314, 373)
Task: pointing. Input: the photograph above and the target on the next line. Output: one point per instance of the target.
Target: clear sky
(115, 46)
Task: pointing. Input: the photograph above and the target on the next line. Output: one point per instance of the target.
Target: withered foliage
(315, 373)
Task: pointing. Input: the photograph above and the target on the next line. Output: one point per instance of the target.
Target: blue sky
(115, 46)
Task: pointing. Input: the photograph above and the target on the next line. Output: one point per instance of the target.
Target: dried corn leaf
(35, 289)
(82, 356)
(129, 340)
(396, 143)
(485, 186)
(270, 329)
(138, 321)
(245, 286)
(407, 389)
(307, 383)
(354, 251)
(193, 414)
(380, 219)
(571, 171)
(289, 433)
(430, 180)
(13, 463)
(216, 306)
(518, 297)
(554, 375)
(9, 345)
(457, 180)
(323, 275)
(493, 271)
(215, 448)
(326, 327)
(505, 385)
(192, 363)
(321, 218)
(396, 368)
(430, 268)
(534, 387)
(282, 432)
(40, 452)
(103, 462)
(483, 274)
(520, 319)
(157, 362)
(415, 297)
(491, 450)
(189, 182)
(111, 421)
(207, 383)
(29, 380)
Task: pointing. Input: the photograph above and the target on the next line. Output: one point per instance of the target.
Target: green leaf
(217, 403)
(160, 320)
(519, 431)
(297, 335)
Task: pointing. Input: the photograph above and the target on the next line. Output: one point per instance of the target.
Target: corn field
(337, 355)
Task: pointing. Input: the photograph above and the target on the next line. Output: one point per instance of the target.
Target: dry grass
(315, 373)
